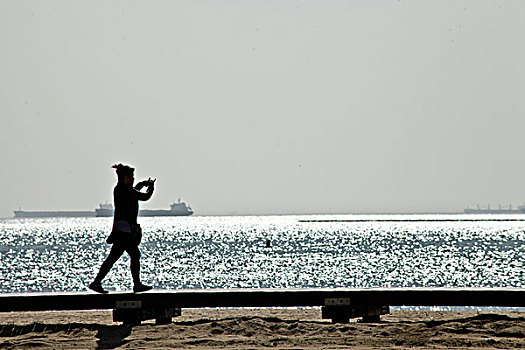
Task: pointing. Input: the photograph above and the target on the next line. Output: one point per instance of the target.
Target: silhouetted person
(126, 233)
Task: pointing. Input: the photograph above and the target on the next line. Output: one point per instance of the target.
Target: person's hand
(143, 183)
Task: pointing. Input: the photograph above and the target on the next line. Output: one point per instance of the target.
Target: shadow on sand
(109, 337)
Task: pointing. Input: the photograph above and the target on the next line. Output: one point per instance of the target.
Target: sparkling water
(64, 254)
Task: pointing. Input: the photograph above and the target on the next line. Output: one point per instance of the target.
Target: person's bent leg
(116, 252)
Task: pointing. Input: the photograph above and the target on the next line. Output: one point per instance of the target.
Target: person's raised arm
(144, 196)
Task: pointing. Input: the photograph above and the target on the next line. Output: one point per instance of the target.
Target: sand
(262, 329)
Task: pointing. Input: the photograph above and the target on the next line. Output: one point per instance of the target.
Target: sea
(287, 251)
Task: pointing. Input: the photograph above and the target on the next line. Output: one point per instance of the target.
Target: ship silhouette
(176, 209)
(104, 210)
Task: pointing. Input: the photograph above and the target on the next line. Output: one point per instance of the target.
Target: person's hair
(122, 170)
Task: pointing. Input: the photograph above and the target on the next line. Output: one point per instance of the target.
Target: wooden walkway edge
(351, 302)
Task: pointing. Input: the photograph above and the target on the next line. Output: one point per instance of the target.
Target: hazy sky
(264, 106)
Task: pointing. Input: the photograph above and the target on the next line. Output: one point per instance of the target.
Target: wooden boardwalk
(338, 304)
(411, 220)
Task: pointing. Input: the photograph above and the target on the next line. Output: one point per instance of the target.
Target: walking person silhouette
(126, 233)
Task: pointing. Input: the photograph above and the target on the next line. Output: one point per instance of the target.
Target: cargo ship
(104, 210)
(176, 209)
(53, 214)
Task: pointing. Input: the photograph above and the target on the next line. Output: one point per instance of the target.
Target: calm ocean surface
(64, 254)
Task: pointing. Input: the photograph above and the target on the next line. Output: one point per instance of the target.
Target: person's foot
(97, 287)
(141, 288)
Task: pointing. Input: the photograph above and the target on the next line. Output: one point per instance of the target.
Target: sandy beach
(287, 328)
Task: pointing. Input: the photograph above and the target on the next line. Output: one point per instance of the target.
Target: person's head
(125, 173)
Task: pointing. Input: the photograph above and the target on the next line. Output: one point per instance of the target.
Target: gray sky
(264, 106)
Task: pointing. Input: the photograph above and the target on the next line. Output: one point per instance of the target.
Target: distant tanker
(105, 210)
(53, 214)
(176, 209)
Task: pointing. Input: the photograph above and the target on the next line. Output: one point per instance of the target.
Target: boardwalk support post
(340, 310)
(371, 313)
(132, 313)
